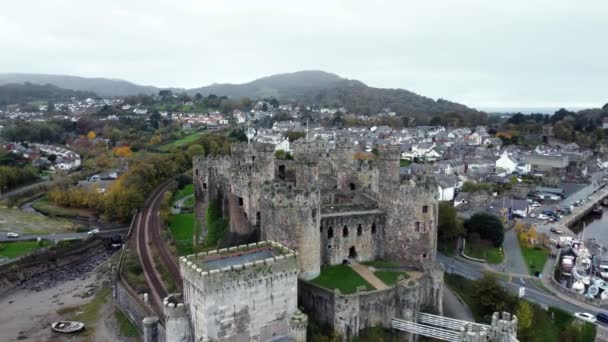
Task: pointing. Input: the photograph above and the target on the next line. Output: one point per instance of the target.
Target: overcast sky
(516, 53)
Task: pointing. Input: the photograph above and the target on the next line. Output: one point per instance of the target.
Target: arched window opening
(359, 230)
(330, 232)
(282, 172)
(374, 228)
(345, 231)
(351, 186)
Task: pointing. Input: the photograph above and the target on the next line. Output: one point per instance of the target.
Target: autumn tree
(91, 135)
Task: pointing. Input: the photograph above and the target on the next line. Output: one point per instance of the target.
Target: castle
(330, 205)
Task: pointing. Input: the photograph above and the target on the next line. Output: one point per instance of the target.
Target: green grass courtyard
(535, 257)
(341, 277)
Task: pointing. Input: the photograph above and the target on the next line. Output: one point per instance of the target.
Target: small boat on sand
(67, 327)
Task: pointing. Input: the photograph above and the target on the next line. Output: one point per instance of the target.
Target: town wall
(251, 302)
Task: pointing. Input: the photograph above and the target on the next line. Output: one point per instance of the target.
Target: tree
(294, 135)
(488, 226)
(525, 315)
(491, 296)
(91, 135)
(526, 234)
(449, 226)
(52, 158)
(155, 119)
(195, 150)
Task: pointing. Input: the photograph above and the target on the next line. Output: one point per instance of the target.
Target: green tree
(449, 226)
(488, 226)
(195, 150)
(491, 296)
(525, 316)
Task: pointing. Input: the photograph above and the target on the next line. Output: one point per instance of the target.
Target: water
(596, 227)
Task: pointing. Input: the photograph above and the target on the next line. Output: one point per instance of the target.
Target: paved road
(63, 236)
(454, 308)
(514, 262)
(533, 292)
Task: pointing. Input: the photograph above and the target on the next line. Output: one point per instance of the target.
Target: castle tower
(298, 322)
(177, 320)
(388, 166)
(292, 218)
(306, 155)
(151, 329)
(410, 233)
(503, 327)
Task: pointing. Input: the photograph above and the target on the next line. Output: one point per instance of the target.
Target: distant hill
(27, 92)
(307, 87)
(326, 89)
(100, 86)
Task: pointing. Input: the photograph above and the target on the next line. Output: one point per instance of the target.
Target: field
(18, 221)
(182, 226)
(341, 277)
(491, 254)
(179, 142)
(535, 258)
(19, 248)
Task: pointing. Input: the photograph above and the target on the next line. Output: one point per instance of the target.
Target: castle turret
(298, 322)
(388, 166)
(177, 320)
(292, 218)
(151, 329)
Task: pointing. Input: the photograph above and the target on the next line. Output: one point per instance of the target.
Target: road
(22, 189)
(63, 236)
(533, 292)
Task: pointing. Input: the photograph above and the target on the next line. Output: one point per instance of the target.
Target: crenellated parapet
(282, 195)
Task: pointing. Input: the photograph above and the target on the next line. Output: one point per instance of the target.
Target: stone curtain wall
(364, 235)
(134, 308)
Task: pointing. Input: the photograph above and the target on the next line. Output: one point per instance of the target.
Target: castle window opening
(282, 172)
(204, 185)
(252, 159)
(345, 231)
(351, 186)
(425, 209)
(258, 218)
(196, 172)
(359, 230)
(240, 201)
(328, 246)
(374, 228)
(330, 232)
(321, 229)
(417, 225)
(424, 256)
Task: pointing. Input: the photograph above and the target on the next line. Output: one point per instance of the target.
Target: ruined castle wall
(248, 302)
(366, 240)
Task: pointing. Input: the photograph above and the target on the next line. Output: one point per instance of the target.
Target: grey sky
(516, 53)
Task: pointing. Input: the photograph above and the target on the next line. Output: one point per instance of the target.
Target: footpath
(368, 275)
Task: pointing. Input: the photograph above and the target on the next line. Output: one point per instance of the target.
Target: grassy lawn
(189, 202)
(183, 192)
(390, 277)
(181, 226)
(405, 162)
(380, 264)
(177, 143)
(125, 327)
(491, 254)
(535, 258)
(19, 248)
(51, 209)
(341, 277)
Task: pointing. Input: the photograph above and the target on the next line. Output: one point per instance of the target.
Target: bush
(488, 226)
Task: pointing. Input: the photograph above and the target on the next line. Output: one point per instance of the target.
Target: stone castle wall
(249, 302)
(363, 237)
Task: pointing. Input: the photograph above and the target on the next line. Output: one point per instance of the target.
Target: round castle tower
(298, 322)
(177, 321)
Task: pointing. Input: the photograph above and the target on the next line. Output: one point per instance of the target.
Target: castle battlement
(174, 307)
(197, 270)
(280, 191)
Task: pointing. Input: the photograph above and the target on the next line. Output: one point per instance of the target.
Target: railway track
(150, 243)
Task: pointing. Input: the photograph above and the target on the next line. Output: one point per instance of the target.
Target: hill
(100, 86)
(27, 92)
(307, 87)
(326, 89)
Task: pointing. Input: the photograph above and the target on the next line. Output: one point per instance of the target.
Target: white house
(446, 186)
(506, 163)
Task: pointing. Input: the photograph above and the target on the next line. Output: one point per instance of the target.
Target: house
(507, 163)
(446, 186)
(510, 206)
(461, 198)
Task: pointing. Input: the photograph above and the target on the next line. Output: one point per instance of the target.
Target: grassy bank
(51, 209)
(341, 277)
(482, 250)
(125, 327)
(180, 142)
(535, 258)
(19, 248)
(182, 228)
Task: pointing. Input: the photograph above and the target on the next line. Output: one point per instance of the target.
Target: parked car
(585, 316)
(555, 230)
(93, 231)
(602, 317)
(543, 217)
(12, 235)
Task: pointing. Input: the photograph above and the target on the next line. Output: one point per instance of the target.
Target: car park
(602, 317)
(585, 316)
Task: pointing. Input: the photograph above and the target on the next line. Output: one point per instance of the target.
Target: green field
(535, 258)
(180, 142)
(19, 221)
(390, 277)
(182, 226)
(341, 277)
(491, 254)
(380, 264)
(19, 248)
